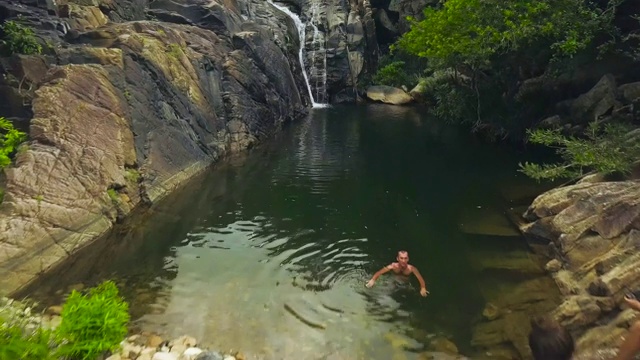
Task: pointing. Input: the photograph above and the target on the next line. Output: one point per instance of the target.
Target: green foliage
(10, 138)
(17, 343)
(132, 175)
(392, 74)
(606, 149)
(20, 337)
(471, 32)
(94, 323)
(175, 50)
(493, 46)
(113, 195)
(18, 39)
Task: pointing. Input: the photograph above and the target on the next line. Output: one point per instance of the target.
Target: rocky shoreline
(590, 230)
(143, 346)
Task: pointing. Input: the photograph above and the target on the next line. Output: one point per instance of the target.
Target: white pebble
(192, 351)
(164, 356)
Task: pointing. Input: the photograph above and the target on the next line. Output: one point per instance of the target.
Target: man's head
(403, 257)
(548, 340)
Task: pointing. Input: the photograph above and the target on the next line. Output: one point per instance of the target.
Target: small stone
(55, 321)
(133, 338)
(130, 351)
(553, 266)
(240, 356)
(154, 341)
(178, 349)
(209, 355)
(148, 351)
(229, 357)
(191, 353)
(164, 356)
(54, 310)
(187, 341)
(115, 357)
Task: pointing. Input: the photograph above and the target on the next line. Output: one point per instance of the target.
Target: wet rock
(486, 221)
(513, 328)
(444, 345)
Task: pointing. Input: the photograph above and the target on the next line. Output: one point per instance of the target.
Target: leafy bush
(606, 149)
(93, 324)
(392, 74)
(18, 39)
(10, 138)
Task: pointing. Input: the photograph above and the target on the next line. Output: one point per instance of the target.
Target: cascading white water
(318, 54)
(301, 34)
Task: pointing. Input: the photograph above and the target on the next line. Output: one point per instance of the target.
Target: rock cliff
(126, 102)
(591, 230)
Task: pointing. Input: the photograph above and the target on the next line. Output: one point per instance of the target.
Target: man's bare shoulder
(393, 265)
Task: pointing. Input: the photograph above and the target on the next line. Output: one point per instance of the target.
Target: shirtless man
(401, 267)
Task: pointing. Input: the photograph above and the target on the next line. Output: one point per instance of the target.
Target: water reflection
(269, 252)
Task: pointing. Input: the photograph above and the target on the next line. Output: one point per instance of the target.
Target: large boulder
(388, 95)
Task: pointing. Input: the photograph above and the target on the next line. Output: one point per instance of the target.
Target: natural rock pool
(268, 253)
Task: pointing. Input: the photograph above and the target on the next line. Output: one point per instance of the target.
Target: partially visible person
(549, 340)
(630, 347)
(402, 267)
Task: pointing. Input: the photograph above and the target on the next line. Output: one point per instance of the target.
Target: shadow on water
(269, 251)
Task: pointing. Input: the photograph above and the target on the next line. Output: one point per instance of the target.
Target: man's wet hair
(403, 252)
(549, 340)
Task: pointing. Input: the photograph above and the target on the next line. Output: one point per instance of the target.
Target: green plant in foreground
(17, 343)
(20, 337)
(18, 39)
(94, 323)
(10, 138)
(607, 150)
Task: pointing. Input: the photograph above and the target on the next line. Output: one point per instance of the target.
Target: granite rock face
(121, 110)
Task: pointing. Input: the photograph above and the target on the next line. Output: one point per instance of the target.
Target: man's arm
(415, 271)
(378, 273)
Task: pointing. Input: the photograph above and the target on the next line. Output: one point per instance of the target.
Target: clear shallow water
(269, 252)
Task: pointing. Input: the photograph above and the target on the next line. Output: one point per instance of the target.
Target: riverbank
(143, 346)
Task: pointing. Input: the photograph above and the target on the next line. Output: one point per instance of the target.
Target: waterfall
(318, 54)
(301, 34)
